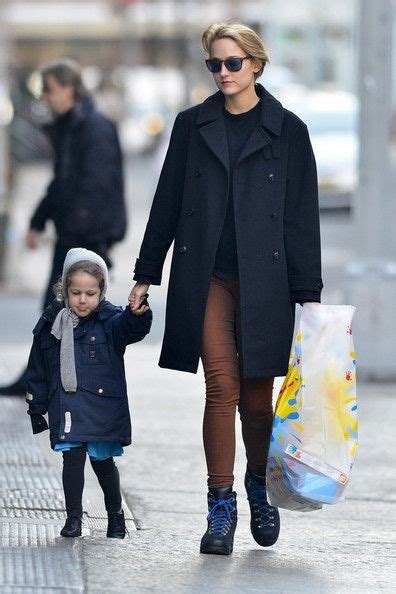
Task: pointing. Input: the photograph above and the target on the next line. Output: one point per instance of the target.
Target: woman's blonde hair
(247, 39)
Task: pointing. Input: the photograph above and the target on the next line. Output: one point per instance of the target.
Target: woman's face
(232, 83)
(83, 293)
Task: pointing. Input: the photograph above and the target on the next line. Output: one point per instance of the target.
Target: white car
(332, 120)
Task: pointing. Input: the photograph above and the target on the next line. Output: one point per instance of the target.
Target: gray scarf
(67, 320)
(63, 330)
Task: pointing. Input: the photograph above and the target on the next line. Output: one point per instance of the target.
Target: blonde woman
(238, 196)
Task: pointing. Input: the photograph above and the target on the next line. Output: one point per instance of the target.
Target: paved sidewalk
(347, 548)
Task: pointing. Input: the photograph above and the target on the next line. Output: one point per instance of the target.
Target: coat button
(190, 212)
(182, 249)
(62, 437)
(274, 215)
(271, 177)
(100, 391)
(93, 338)
(198, 173)
(276, 255)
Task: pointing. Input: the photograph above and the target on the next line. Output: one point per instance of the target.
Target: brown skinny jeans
(225, 390)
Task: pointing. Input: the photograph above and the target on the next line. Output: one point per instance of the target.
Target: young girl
(76, 374)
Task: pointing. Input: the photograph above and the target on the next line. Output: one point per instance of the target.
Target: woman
(238, 195)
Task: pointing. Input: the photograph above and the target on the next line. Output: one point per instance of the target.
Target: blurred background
(143, 63)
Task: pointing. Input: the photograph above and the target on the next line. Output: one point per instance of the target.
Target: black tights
(73, 481)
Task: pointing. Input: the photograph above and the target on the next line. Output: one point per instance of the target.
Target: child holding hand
(76, 374)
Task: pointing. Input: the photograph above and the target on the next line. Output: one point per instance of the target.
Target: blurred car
(332, 120)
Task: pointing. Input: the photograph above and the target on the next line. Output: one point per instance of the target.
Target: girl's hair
(247, 39)
(84, 266)
(66, 72)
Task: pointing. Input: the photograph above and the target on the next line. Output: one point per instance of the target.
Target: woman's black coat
(277, 231)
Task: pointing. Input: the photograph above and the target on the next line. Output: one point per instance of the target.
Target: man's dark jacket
(86, 196)
(275, 193)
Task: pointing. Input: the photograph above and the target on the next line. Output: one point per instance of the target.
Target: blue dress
(97, 450)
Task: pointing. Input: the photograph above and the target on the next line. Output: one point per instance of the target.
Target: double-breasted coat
(98, 410)
(275, 195)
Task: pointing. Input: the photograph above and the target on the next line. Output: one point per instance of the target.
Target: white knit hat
(79, 255)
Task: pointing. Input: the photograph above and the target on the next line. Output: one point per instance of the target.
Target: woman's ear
(256, 66)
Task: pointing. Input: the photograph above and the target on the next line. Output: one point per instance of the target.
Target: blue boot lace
(262, 510)
(220, 515)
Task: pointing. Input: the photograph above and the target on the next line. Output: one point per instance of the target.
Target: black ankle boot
(116, 525)
(222, 520)
(72, 527)
(265, 520)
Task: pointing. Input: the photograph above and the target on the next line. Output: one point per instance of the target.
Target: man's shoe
(72, 527)
(116, 525)
(222, 520)
(265, 520)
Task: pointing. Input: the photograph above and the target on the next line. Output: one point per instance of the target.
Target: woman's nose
(223, 70)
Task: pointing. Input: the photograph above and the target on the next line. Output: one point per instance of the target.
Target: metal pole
(371, 278)
(4, 121)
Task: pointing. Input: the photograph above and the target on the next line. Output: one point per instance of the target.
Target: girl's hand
(136, 296)
(140, 311)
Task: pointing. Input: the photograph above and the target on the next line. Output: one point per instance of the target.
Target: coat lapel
(258, 139)
(212, 129)
(211, 125)
(271, 118)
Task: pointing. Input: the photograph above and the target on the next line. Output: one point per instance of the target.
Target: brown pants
(225, 390)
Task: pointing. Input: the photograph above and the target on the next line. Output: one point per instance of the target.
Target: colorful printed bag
(314, 436)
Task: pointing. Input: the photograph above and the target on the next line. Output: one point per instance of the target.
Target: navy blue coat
(275, 194)
(98, 410)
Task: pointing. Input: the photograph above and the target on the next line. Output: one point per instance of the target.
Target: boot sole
(70, 535)
(216, 551)
(265, 544)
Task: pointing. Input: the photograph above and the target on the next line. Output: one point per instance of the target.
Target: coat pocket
(103, 388)
(91, 352)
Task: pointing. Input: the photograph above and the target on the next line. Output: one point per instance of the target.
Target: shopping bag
(314, 435)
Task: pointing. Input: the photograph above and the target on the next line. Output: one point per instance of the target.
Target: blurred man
(85, 199)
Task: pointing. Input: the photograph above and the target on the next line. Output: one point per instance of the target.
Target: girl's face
(83, 293)
(232, 83)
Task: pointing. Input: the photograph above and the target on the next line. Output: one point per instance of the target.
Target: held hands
(136, 297)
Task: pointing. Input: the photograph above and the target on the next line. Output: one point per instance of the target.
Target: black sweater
(239, 127)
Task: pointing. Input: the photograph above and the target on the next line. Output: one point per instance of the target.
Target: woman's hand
(136, 296)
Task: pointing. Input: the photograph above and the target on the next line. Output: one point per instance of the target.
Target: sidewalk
(348, 548)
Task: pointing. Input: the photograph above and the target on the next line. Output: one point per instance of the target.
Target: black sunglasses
(232, 64)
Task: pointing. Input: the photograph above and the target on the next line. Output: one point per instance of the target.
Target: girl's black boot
(116, 524)
(72, 527)
(222, 520)
(265, 520)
